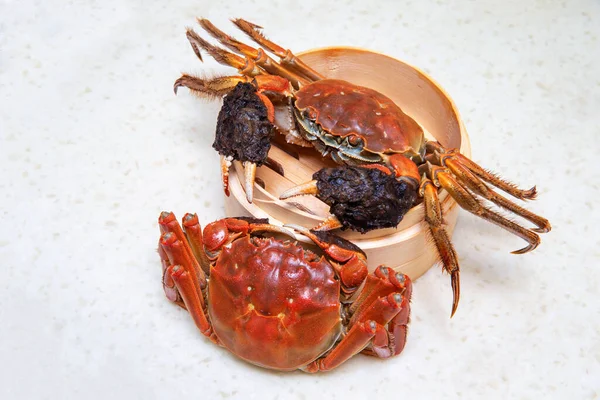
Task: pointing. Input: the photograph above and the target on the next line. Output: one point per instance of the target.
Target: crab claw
(225, 165)
(330, 223)
(350, 259)
(305, 188)
(249, 178)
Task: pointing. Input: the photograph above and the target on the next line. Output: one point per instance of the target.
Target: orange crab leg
(382, 282)
(354, 342)
(211, 88)
(174, 244)
(193, 299)
(390, 341)
(288, 59)
(348, 259)
(168, 284)
(245, 66)
(435, 221)
(183, 280)
(369, 333)
(487, 176)
(257, 55)
(473, 183)
(468, 202)
(193, 232)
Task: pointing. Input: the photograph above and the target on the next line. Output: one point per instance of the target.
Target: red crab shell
(343, 109)
(281, 308)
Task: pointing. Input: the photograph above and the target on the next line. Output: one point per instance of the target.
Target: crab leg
(288, 59)
(168, 284)
(182, 271)
(354, 342)
(176, 248)
(474, 184)
(244, 65)
(258, 56)
(193, 233)
(435, 221)
(192, 299)
(369, 333)
(347, 258)
(394, 308)
(467, 201)
(382, 282)
(487, 176)
(211, 88)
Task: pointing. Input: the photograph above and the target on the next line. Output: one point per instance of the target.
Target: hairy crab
(387, 164)
(276, 304)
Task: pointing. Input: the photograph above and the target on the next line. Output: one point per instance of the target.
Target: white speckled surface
(93, 144)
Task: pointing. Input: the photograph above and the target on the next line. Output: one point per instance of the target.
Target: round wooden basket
(405, 248)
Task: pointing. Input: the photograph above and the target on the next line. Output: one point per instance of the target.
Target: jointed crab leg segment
(244, 65)
(287, 57)
(182, 271)
(487, 176)
(355, 341)
(468, 202)
(174, 245)
(192, 298)
(258, 56)
(473, 183)
(390, 341)
(216, 87)
(348, 260)
(193, 232)
(369, 334)
(434, 219)
(382, 282)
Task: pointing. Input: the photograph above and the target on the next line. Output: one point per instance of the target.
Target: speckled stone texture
(93, 145)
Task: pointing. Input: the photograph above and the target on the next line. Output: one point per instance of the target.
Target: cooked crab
(276, 304)
(388, 165)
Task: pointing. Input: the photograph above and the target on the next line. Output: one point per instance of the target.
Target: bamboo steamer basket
(406, 248)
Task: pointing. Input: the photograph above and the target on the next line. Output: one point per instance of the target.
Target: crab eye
(354, 140)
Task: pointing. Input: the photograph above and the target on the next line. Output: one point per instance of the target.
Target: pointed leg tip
(530, 194)
(526, 249)
(454, 308)
(176, 86)
(543, 229)
(455, 280)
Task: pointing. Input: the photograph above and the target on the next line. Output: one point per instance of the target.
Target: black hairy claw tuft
(244, 131)
(364, 199)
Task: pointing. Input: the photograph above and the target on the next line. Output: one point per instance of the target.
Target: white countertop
(93, 145)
